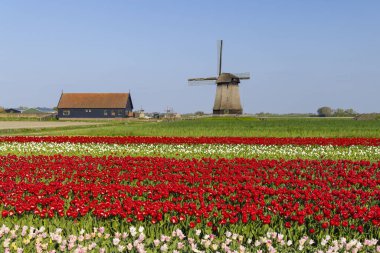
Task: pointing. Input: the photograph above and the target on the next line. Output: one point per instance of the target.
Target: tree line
(326, 111)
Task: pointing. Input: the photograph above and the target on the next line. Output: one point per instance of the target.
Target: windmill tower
(227, 98)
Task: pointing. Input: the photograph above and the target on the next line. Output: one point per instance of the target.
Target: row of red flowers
(296, 192)
(198, 140)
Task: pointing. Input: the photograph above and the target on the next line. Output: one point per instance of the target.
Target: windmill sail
(219, 53)
(243, 76)
(201, 81)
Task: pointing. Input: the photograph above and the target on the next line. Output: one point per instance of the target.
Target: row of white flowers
(29, 239)
(200, 150)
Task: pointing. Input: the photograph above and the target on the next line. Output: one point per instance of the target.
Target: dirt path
(40, 124)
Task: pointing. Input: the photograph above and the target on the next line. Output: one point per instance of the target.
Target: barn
(95, 105)
(12, 110)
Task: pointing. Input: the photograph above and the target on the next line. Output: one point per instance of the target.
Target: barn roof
(94, 100)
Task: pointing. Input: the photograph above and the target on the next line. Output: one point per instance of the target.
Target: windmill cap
(227, 78)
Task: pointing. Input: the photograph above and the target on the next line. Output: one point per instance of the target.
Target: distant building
(46, 110)
(95, 105)
(12, 110)
(172, 115)
(38, 110)
(139, 114)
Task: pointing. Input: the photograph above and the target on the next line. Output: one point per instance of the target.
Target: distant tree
(339, 112)
(325, 111)
(199, 113)
(2, 109)
(344, 112)
(350, 112)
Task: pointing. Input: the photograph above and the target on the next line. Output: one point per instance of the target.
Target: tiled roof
(93, 100)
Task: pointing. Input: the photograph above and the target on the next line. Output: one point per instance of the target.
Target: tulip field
(189, 194)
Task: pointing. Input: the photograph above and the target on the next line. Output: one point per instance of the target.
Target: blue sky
(301, 54)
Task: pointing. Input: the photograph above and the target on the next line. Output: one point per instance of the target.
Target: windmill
(227, 98)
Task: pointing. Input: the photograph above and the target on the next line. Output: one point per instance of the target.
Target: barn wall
(93, 113)
(129, 106)
(129, 103)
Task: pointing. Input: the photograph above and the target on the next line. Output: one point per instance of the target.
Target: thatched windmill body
(227, 98)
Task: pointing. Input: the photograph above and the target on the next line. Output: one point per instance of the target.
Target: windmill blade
(243, 76)
(203, 79)
(195, 82)
(219, 53)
